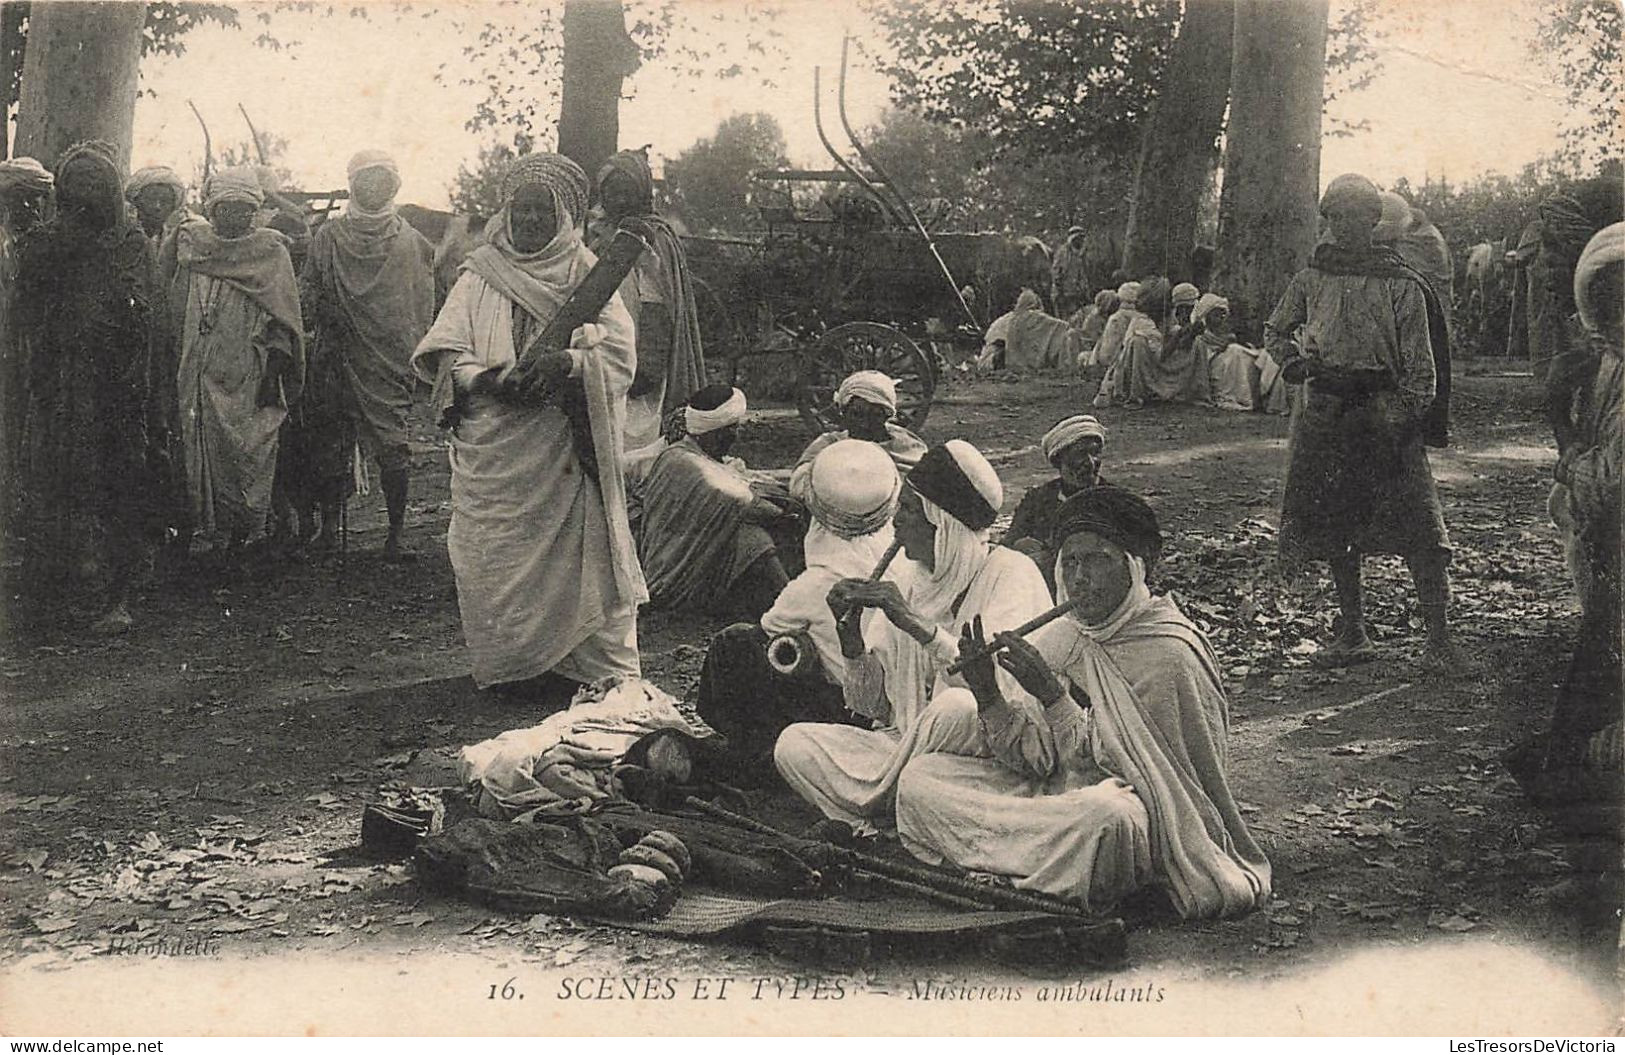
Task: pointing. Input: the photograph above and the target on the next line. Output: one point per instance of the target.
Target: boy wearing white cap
(866, 403)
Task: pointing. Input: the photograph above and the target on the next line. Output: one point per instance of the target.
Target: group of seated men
(1150, 342)
(885, 682)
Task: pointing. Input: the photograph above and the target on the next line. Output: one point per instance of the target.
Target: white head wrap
(871, 386)
(1070, 431)
(362, 160)
(154, 176)
(1396, 218)
(960, 554)
(1606, 248)
(1128, 293)
(854, 488)
(699, 422)
(1184, 293)
(238, 184)
(1209, 302)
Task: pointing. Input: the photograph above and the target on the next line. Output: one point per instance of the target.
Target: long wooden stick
(916, 876)
(886, 558)
(1023, 630)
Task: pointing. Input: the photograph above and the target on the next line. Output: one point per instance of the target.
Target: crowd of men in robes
(1025, 706)
(176, 385)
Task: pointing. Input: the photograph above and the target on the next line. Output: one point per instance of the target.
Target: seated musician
(704, 533)
(852, 489)
(898, 651)
(1074, 447)
(1106, 772)
(866, 403)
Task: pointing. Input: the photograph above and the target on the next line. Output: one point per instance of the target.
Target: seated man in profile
(866, 404)
(704, 533)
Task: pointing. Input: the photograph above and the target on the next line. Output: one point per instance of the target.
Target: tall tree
(1179, 149)
(1036, 78)
(79, 77)
(709, 183)
(598, 56)
(1268, 207)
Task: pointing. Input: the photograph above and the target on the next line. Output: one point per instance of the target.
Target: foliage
(1042, 77)
(1492, 206)
(477, 190)
(519, 44)
(1041, 195)
(1035, 78)
(1352, 61)
(166, 24)
(243, 154)
(709, 183)
(1582, 39)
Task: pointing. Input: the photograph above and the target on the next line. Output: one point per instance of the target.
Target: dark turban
(959, 480)
(635, 165)
(1568, 219)
(1113, 513)
(1352, 192)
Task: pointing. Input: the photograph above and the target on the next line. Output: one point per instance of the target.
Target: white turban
(154, 176)
(699, 422)
(1396, 217)
(363, 160)
(854, 488)
(1185, 293)
(1606, 248)
(871, 386)
(238, 184)
(1066, 433)
(1128, 293)
(1208, 302)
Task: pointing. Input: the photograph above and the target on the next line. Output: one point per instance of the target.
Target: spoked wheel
(721, 333)
(865, 346)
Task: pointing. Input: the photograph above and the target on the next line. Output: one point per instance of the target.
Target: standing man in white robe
(898, 656)
(547, 577)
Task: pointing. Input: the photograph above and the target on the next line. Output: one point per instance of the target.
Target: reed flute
(1023, 630)
(886, 558)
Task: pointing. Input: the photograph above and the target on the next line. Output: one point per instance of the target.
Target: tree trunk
(1180, 145)
(12, 41)
(1269, 206)
(598, 56)
(79, 77)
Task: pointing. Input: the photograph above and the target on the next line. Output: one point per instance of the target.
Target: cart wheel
(864, 346)
(721, 333)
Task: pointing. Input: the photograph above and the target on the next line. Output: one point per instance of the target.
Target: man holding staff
(547, 577)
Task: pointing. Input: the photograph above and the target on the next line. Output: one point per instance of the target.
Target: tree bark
(1180, 145)
(1269, 206)
(598, 56)
(79, 77)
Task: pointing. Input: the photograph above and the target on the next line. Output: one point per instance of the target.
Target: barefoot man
(1357, 479)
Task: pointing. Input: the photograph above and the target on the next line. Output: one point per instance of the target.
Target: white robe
(851, 773)
(531, 540)
(1090, 806)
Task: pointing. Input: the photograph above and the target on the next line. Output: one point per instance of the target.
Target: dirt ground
(204, 775)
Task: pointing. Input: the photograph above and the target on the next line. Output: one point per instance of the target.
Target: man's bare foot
(114, 621)
(1346, 650)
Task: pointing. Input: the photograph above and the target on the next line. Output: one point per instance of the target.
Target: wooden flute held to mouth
(1035, 623)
